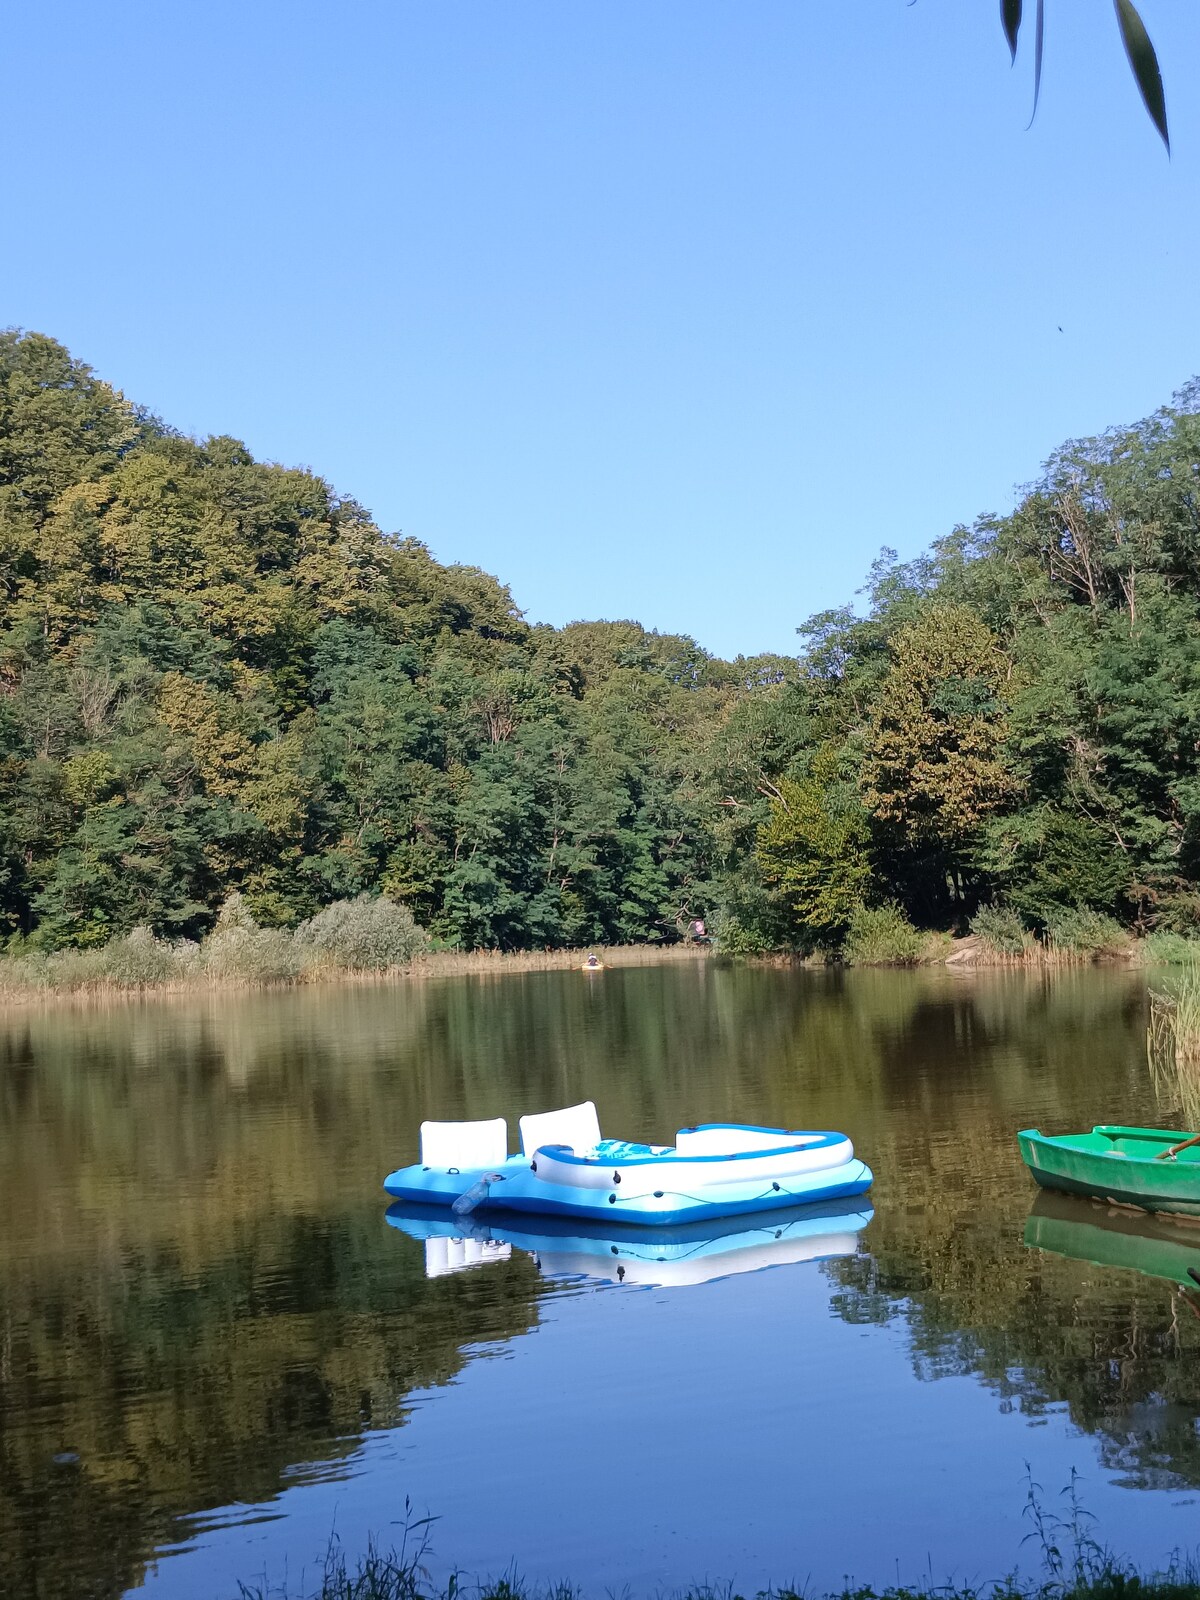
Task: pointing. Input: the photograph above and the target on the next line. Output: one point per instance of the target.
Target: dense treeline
(1015, 724)
(218, 676)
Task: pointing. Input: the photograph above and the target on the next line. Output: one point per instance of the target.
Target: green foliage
(814, 849)
(1000, 928)
(363, 934)
(1053, 858)
(882, 936)
(1081, 931)
(934, 766)
(219, 678)
(1165, 948)
(1139, 51)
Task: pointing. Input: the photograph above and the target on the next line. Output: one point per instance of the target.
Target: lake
(217, 1350)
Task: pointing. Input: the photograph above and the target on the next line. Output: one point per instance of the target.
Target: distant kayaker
(591, 960)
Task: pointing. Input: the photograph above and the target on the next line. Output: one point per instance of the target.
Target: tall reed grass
(1173, 1043)
(363, 935)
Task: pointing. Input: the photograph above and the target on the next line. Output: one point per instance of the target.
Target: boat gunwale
(1167, 1137)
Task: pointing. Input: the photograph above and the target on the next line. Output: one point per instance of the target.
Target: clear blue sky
(672, 309)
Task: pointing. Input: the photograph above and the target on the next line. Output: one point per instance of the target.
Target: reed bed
(364, 941)
(1173, 1044)
(452, 963)
(368, 936)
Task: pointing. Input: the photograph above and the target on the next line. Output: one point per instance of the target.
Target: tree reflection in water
(198, 1290)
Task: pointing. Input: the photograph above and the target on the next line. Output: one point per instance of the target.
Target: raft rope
(702, 1200)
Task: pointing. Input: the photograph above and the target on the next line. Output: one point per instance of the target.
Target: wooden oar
(1185, 1144)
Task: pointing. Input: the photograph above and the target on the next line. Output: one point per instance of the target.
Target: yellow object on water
(595, 966)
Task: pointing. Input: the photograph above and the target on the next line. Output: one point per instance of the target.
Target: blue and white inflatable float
(566, 1169)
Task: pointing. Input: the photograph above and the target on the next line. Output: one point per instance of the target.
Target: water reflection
(662, 1257)
(1110, 1236)
(198, 1293)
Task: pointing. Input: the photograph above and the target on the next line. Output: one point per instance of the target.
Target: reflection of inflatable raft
(1089, 1231)
(567, 1169)
(671, 1257)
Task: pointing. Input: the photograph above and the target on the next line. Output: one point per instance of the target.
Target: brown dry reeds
(452, 963)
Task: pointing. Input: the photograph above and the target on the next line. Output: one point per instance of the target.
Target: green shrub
(1163, 948)
(19, 974)
(734, 938)
(882, 936)
(76, 969)
(238, 948)
(1001, 930)
(137, 960)
(364, 935)
(1081, 931)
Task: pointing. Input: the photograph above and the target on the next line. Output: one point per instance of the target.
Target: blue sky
(672, 309)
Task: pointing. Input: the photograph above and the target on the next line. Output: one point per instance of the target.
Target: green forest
(221, 684)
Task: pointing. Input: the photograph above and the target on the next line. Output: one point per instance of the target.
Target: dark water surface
(215, 1351)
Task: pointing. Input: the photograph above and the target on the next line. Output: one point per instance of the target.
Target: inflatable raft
(698, 1252)
(567, 1169)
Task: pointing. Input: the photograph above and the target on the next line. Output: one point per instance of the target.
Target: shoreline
(958, 956)
(434, 965)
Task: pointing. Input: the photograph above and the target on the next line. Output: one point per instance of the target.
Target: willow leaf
(1010, 16)
(1039, 35)
(1145, 65)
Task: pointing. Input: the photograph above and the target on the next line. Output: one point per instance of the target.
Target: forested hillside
(218, 675)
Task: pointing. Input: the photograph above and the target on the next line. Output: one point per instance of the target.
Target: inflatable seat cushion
(577, 1126)
(467, 1145)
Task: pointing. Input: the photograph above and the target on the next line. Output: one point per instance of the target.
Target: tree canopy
(219, 676)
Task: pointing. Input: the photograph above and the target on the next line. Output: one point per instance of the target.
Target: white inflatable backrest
(578, 1126)
(466, 1145)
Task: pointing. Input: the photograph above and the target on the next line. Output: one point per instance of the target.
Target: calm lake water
(217, 1350)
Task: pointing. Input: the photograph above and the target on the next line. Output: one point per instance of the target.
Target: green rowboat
(1150, 1168)
(1158, 1247)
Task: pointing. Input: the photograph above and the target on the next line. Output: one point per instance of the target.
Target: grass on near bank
(1074, 1566)
(393, 1577)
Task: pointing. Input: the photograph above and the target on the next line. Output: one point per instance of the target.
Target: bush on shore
(362, 935)
(882, 936)
(368, 934)
(1078, 930)
(1165, 948)
(1000, 930)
